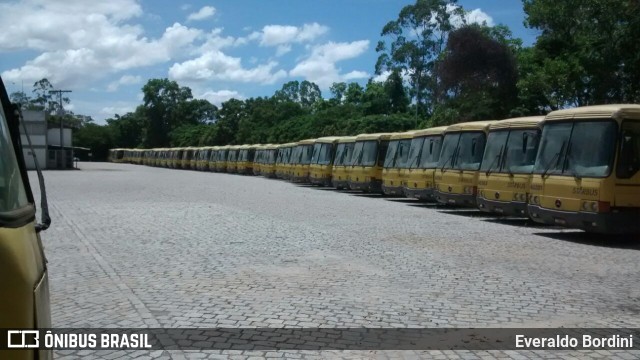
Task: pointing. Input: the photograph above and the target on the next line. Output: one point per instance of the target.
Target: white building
(46, 142)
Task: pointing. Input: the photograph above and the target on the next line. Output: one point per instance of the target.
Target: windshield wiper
(567, 162)
(555, 159)
(450, 159)
(496, 160)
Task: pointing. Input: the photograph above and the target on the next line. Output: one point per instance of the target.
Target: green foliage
(98, 138)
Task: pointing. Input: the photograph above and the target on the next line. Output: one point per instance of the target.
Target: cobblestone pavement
(135, 246)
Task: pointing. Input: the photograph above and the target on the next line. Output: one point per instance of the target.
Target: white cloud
(109, 111)
(475, 16)
(283, 49)
(204, 13)
(220, 96)
(124, 80)
(276, 35)
(215, 65)
(320, 66)
(79, 41)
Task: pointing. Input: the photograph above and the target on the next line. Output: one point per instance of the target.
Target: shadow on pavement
(520, 222)
(469, 212)
(631, 242)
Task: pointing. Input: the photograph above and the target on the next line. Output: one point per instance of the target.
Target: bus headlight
(535, 199)
(595, 206)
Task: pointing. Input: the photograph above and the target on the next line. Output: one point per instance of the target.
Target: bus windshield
(13, 194)
(449, 146)
(365, 153)
(470, 151)
(414, 152)
(324, 154)
(521, 150)
(580, 148)
(496, 142)
(344, 153)
(430, 152)
(305, 154)
(391, 153)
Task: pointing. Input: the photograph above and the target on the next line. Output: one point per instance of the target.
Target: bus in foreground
(24, 281)
(456, 176)
(393, 174)
(504, 180)
(587, 171)
(421, 164)
(321, 165)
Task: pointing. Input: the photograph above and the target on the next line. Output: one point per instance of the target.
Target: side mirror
(430, 146)
(525, 140)
(473, 147)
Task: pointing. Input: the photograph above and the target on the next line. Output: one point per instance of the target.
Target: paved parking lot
(135, 246)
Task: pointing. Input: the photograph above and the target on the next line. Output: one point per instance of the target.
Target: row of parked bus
(577, 168)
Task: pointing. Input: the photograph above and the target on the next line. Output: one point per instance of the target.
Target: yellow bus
(342, 162)
(177, 158)
(257, 159)
(504, 180)
(268, 161)
(421, 164)
(367, 160)
(232, 159)
(246, 155)
(300, 161)
(587, 170)
(222, 155)
(211, 159)
(320, 168)
(282, 161)
(187, 157)
(456, 176)
(395, 162)
(203, 158)
(24, 279)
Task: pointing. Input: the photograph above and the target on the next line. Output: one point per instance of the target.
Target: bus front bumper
(340, 184)
(455, 199)
(620, 222)
(322, 181)
(369, 186)
(300, 179)
(393, 190)
(508, 208)
(420, 194)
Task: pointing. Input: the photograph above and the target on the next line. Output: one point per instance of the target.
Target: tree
(129, 129)
(95, 137)
(419, 36)
(305, 93)
(587, 52)
(479, 74)
(396, 92)
(163, 100)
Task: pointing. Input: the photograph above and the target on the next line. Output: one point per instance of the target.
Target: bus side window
(629, 159)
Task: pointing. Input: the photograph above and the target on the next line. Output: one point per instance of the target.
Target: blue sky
(106, 51)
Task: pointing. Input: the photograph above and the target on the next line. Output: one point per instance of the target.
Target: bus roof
(347, 139)
(270, 147)
(403, 135)
(470, 126)
(431, 131)
(291, 144)
(306, 142)
(329, 139)
(528, 122)
(376, 136)
(616, 111)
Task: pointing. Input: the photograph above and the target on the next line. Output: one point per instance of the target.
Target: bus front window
(470, 151)
(369, 153)
(324, 154)
(521, 151)
(555, 138)
(449, 146)
(591, 148)
(414, 152)
(12, 189)
(305, 154)
(430, 152)
(390, 157)
(493, 153)
(356, 155)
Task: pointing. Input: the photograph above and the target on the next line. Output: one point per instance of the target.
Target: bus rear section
(456, 176)
(301, 161)
(421, 164)
(504, 181)
(586, 175)
(342, 162)
(395, 162)
(367, 160)
(321, 166)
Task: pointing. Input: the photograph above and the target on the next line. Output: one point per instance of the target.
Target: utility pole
(60, 112)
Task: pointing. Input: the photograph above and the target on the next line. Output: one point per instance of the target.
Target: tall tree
(162, 101)
(479, 74)
(418, 37)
